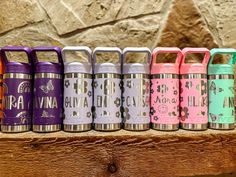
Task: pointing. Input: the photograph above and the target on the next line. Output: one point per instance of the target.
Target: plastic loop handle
(47, 49)
(137, 50)
(85, 49)
(25, 49)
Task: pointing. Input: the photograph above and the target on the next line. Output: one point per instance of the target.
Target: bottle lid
(139, 68)
(194, 68)
(17, 67)
(47, 67)
(227, 68)
(114, 68)
(76, 66)
(166, 68)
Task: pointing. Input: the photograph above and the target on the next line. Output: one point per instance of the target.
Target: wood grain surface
(121, 153)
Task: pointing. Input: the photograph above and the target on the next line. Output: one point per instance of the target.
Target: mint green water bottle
(221, 91)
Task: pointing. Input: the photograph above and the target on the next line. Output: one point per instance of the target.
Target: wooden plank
(122, 153)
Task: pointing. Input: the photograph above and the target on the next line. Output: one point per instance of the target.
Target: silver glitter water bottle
(136, 91)
(77, 91)
(107, 92)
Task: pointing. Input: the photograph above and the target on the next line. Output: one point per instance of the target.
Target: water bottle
(48, 84)
(136, 91)
(17, 91)
(193, 91)
(1, 88)
(165, 90)
(221, 91)
(77, 91)
(107, 92)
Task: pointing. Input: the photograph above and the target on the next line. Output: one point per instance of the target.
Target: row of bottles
(32, 89)
(79, 95)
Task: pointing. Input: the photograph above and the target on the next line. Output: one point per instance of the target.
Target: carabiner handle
(189, 50)
(229, 51)
(25, 49)
(85, 49)
(47, 49)
(161, 50)
(106, 50)
(137, 50)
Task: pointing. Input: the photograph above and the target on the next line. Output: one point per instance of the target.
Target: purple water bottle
(17, 92)
(47, 108)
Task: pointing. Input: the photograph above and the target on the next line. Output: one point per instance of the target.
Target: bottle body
(47, 109)
(1, 90)
(221, 101)
(165, 101)
(136, 101)
(193, 101)
(77, 102)
(17, 102)
(107, 101)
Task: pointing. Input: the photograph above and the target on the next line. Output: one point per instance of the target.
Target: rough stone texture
(18, 13)
(31, 36)
(86, 13)
(131, 32)
(184, 27)
(35, 35)
(220, 15)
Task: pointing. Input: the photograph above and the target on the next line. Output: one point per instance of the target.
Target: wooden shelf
(121, 153)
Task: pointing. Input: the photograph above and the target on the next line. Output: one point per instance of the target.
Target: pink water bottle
(165, 90)
(193, 91)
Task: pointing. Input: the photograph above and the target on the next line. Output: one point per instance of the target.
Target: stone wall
(122, 23)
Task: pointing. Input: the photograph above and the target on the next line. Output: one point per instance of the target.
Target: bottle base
(77, 128)
(165, 127)
(15, 128)
(46, 128)
(219, 126)
(136, 127)
(188, 126)
(107, 127)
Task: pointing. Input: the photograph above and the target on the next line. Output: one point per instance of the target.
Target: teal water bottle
(221, 91)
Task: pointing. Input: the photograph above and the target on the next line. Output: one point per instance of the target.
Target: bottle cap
(194, 68)
(166, 68)
(47, 67)
(227, 68)
(114, 68)
(17, 67)
(76, 66)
